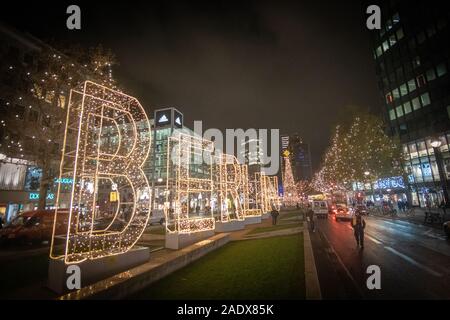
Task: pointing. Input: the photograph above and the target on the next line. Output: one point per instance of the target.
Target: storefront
(388, 190)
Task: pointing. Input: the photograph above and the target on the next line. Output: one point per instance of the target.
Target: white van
(320, 209)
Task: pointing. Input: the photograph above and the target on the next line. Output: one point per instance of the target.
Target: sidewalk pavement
(418, 216)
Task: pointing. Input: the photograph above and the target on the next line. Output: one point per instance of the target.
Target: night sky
(233, 64)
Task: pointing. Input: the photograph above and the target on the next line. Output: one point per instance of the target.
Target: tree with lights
(360, 152)
(33, 105)
(290, 197)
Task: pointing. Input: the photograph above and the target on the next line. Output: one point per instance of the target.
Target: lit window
(441, 70)
(396, 93)
(403, 89)
(416, 104)
(431, 75)
(399, 110)
(62, 101)
(425, 98)
(392, 115)
(400, 34)
(407, 107)
(412, 85)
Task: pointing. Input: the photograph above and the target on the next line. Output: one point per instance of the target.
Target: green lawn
(290, 215)
(275, 228)
(22, 272)
(271, 268)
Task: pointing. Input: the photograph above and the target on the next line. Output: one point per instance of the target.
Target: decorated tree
(34, 112)
(290, 197)
(360, 152)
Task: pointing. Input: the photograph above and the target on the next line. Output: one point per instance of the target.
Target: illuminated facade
(411, 53)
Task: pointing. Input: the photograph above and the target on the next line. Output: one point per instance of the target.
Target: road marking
(414, 262)
(430, 233)
(355, 284)
(373, 239)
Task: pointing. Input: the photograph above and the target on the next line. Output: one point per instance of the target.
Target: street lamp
(436, 144)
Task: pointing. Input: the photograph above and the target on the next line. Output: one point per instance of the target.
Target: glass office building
(411, 52)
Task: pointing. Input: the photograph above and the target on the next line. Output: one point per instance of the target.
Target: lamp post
(436, 144)
(372, 196)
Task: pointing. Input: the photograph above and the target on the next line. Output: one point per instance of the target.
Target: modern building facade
(412, 58)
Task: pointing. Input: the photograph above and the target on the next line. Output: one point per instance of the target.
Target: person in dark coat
(310, 216)
(274, 213)
(358, 225)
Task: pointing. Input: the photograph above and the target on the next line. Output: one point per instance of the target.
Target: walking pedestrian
(358, 225)
(274, 213)
(310, 217)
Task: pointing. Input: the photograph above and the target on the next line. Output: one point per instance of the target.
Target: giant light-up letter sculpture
(266, 193)
(229, 179)
(190, 186)
(248, 191)
(106, 142)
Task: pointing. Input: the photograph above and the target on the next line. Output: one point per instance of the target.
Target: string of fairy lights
(290, 193)
(42, 86)
(93, 112)
(359, 153)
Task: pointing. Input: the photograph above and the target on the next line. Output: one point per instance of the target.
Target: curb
(311, 279)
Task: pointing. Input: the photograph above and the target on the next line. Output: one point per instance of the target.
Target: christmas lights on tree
(290, 196)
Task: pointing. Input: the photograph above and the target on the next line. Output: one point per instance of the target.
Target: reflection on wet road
(414, 260)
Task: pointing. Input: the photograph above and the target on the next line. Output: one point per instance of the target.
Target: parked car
(320, 209)
(447, 229)
(34, 226)
(343, 212)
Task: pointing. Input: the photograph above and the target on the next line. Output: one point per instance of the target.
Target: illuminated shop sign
(390, 183)
(64, 180)
(163, 118)
(35, 196)
(178, 119)
(381, 184)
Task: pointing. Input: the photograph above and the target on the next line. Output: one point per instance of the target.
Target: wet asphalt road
(414, 260)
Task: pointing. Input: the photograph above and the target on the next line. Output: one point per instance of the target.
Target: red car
(34, 226)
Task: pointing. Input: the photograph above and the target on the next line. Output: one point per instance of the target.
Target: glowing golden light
(249, 195)
(106, 142)
(190, 187)
(229, 179)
